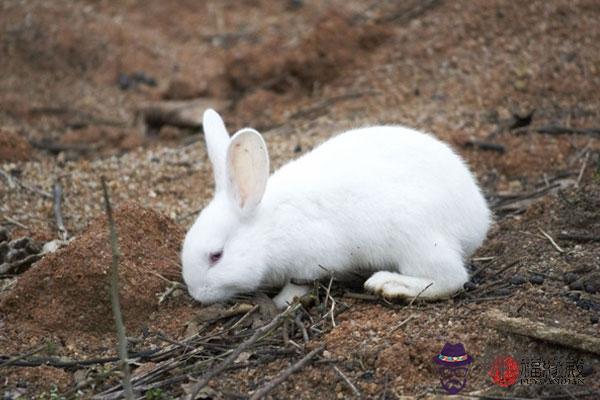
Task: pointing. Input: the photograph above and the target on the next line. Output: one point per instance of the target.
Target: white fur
(385, 199)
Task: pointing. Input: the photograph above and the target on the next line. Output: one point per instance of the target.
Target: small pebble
(297, 149)
(570, 277)
(536, 279)
(141, 77)
(587, 370)
(577, 285)
(590, 288)
(594, 319)
(367, 375)
(518, 280)
(124, 82)
(469, 286)
(583, 303)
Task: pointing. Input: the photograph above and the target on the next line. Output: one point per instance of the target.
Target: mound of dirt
(317, 58)
(68, 291)
(13, 147)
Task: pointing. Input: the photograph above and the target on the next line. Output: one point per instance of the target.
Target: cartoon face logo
(453, 367)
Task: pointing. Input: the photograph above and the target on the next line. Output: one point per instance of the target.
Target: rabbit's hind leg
(437, 278)
(392, 285)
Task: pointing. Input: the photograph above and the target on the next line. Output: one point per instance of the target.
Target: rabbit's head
(220, 256)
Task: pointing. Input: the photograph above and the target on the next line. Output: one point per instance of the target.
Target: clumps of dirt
(68, 291)
(562, 274)
(14, 147)
(317, 58)
(397, 347)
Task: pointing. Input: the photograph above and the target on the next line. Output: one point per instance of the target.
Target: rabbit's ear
(247, 169)
(217, 140)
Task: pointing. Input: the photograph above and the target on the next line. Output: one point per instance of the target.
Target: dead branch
(69, 364)
(579, 237)
(264, 390)
(520, 201)
(15, 359)
(62, 231)
(541, 331)
(481, 145)
(114, 295)
(561, 130)
(242, 347)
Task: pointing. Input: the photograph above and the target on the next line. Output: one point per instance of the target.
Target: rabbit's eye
(214, 258)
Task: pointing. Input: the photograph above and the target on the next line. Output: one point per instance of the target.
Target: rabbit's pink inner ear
(247, 168)
(217, 140)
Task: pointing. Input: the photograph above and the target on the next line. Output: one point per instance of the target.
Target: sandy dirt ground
(514, 87)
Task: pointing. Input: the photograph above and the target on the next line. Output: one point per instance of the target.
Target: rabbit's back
(364, 194)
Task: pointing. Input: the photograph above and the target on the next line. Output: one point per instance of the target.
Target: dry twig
(264, 390)
(62, 231)
(347, 381)
(12, 181)
(556, 246)
(15, 222)
(582, 170)
(242, 347)
(401, 324)
(114, 295)
(420, 293)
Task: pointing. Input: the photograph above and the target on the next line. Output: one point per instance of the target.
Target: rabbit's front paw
(288, 294)
(392, 285)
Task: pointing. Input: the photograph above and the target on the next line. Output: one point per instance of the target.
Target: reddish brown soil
(13, 147)
(459, 69)
(62, 298)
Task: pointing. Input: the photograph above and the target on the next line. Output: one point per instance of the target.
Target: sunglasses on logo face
(456, 372)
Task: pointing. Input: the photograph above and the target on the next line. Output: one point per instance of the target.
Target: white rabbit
(388, 200)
